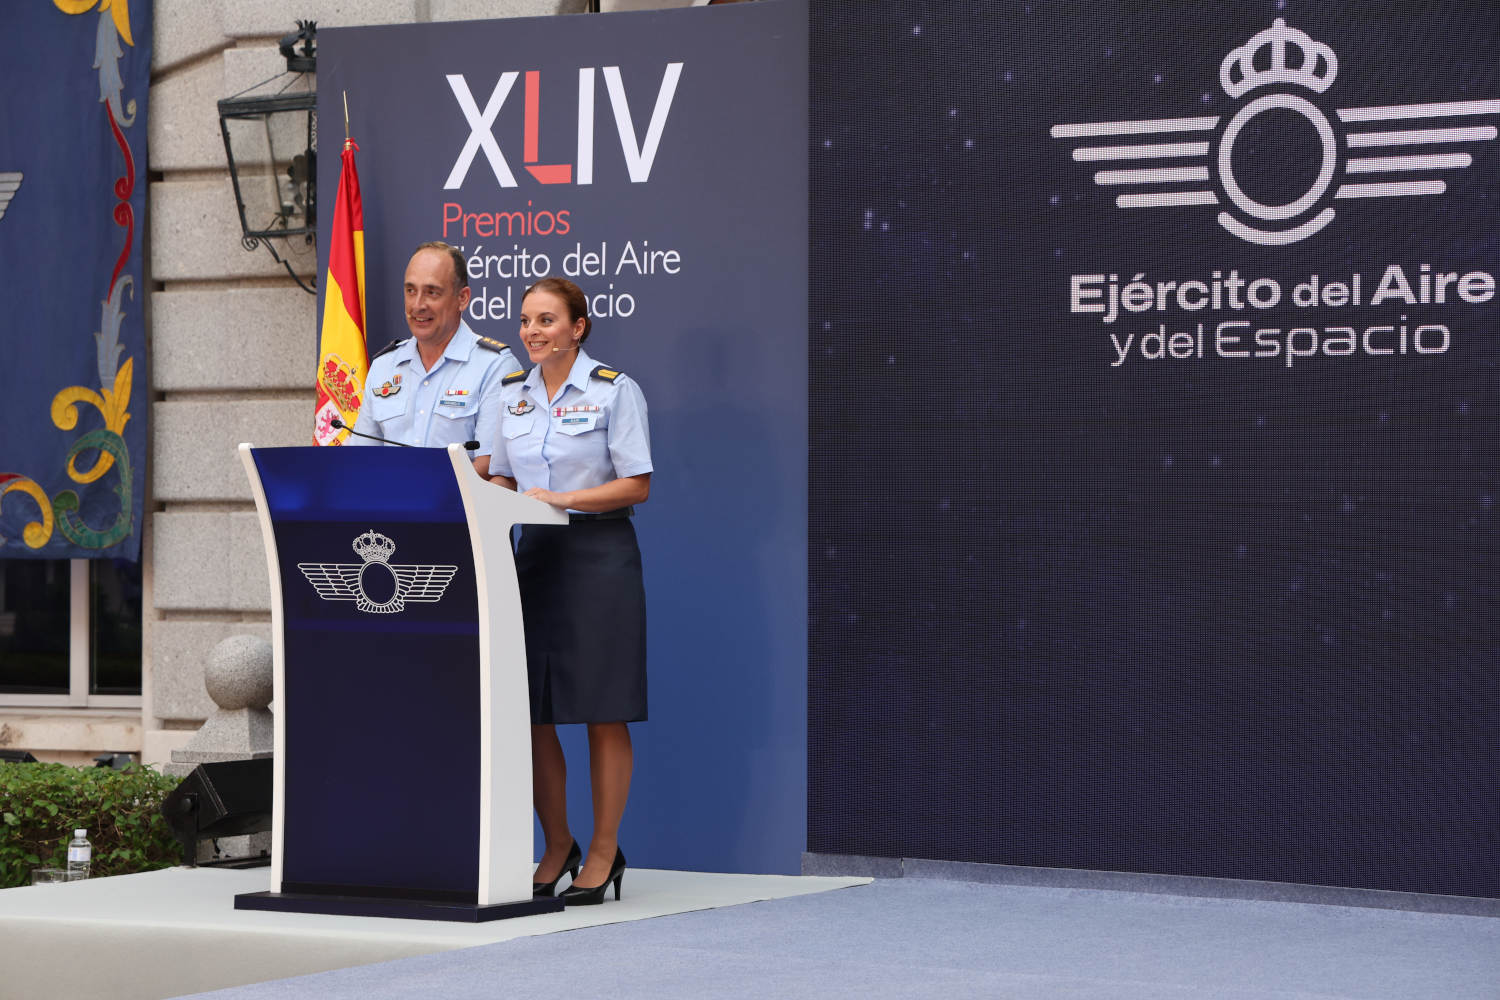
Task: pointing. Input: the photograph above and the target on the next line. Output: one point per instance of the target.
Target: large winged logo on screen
(375, 585)
(1279, 76)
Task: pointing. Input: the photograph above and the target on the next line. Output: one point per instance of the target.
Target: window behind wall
(70, 632)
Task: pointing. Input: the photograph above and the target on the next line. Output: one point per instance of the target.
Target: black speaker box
(225, 799)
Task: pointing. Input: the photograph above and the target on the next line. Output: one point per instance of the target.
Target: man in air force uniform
(441, 386)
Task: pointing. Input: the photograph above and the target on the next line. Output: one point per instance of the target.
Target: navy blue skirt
(585, 610)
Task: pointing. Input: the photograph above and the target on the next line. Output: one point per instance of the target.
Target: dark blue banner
(73, 387)
(657, 159)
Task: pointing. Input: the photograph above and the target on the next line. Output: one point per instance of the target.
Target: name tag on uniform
(453, 402)
(575, 420)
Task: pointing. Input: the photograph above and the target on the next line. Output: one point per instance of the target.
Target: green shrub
(42, 804)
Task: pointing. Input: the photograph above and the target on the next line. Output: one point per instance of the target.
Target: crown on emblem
(1263, 59)
(372, 546)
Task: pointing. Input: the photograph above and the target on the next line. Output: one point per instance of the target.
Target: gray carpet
(914, 937)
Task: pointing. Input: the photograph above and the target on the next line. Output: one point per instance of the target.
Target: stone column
(239, 681)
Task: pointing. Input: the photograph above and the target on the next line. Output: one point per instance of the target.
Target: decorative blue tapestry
(73, 80)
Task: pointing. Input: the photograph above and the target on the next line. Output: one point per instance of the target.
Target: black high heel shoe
(540, 890)
(577, 895)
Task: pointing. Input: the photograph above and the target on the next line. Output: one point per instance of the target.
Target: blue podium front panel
(381, 671)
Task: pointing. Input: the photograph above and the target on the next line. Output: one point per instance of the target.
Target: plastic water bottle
(80, 855)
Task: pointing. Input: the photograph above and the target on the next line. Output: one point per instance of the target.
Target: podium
(402, 726)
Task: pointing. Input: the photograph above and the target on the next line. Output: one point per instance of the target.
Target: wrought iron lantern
(271, 139)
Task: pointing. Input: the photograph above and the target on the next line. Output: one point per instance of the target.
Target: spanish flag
(343, 362)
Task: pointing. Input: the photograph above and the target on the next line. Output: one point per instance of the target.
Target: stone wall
(233, 340)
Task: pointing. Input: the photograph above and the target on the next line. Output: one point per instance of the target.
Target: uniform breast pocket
(385, 408)
(512, 426)
(581, 423)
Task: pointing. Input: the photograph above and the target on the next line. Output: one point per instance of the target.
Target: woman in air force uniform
(573, 433)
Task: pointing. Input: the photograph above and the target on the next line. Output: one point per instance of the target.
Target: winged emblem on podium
(392, 585)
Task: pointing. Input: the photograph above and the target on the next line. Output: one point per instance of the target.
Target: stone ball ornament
(239, 673)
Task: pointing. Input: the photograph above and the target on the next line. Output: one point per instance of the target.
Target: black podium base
(387, 906)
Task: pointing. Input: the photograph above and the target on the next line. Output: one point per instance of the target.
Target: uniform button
(426, 381)
(420, 412)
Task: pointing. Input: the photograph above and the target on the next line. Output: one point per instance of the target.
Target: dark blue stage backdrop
(1153, 430)
(658, 160)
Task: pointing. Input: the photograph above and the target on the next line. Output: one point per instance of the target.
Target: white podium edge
(505, 808)
(278, 668)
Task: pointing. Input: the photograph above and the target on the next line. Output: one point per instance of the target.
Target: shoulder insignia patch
(491, 344)
(607, 374)
(514, 377)
(388, 348)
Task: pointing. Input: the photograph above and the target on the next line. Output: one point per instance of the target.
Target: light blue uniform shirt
(453, 403)
(593, 433)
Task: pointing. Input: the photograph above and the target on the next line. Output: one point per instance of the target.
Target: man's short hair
(460, 265)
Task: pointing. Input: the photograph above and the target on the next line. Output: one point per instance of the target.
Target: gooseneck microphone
(338, 424)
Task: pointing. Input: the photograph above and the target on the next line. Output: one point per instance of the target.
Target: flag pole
(343, 359)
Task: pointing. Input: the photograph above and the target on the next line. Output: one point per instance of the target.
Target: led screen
(1153, 459)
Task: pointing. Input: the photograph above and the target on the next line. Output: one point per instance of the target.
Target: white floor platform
(174, 932)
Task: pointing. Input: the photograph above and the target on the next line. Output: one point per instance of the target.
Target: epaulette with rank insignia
(514, 377)
(491, 344)
(388, 348)
(607, 374)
